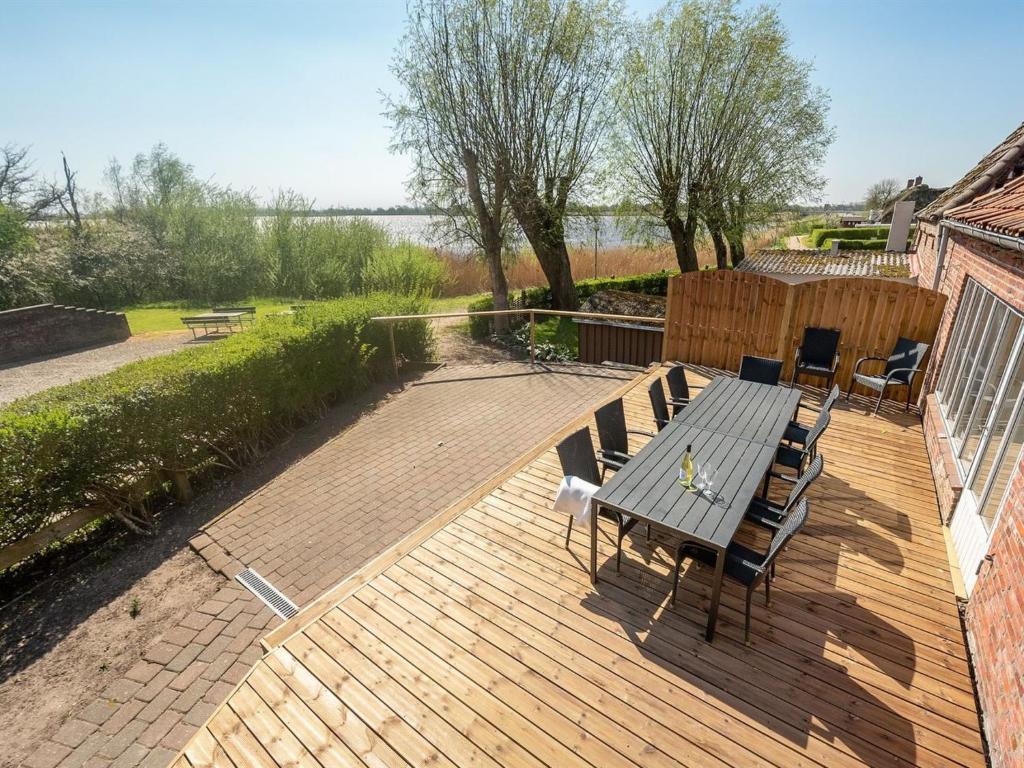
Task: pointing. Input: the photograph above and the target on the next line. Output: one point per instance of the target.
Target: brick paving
(311, 526)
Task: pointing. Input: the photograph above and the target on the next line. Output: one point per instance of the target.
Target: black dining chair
(678, 388)
(613, 436)
(796, 432)
(818, 354)
(763, 370)
(745, 565)
(770, 515)
(656, 391)
(797, 459)
(900, 369)
(576, 455)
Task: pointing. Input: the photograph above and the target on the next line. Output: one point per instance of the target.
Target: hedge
(110, 443)
(819, 236)
(856, 245)
(651, 283)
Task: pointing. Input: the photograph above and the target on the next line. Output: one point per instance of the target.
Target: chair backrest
(790, 527)
(833, 395)
(576, 455)
(763, 370)
(906, 354)
(814, 469)
(658, 403)
(820, 346)
(611, 427)
(678, 387)
(824, 419)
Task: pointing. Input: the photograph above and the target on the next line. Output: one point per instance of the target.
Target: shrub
(652, 283)
(111, 442)
(818, 236)
(405, 269)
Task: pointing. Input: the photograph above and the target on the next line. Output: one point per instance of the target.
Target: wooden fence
(715, 317)
(630, 343)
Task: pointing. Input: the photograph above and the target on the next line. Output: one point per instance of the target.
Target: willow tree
(441, 121)
(544, 69)
(718, 120)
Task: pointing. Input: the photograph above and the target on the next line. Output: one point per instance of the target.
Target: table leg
(593, 541)
(716, 595)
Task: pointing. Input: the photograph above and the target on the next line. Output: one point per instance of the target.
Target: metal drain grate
(268, 593)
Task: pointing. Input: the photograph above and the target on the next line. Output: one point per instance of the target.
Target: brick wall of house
(995, 612)
(46, 329)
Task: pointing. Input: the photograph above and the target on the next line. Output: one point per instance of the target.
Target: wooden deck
(480, 641)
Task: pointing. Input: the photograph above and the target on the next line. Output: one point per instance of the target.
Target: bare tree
(68, 196)
(21, 188)
(441, 121)
(881, 193)
(545, 68)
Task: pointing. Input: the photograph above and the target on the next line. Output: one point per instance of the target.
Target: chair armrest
(678, 400)
(787, 478)
(639, 432)
(857, 365)
(603, 454)
(835, 363)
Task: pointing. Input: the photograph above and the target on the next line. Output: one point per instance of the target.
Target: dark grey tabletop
(734, 428)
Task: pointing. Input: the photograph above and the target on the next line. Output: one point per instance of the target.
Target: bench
(248, 313)
(215, 322)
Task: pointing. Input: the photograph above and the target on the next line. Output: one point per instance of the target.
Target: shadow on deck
(480, 640)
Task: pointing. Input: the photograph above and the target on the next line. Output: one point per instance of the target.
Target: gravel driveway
(21, 379)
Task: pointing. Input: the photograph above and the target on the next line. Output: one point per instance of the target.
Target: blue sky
(263, 95)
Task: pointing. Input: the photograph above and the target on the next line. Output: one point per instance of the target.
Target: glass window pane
(997, 367)
(955, 348)
(970, 352)
(1001, 478)
(1001, 427)
(982, 368)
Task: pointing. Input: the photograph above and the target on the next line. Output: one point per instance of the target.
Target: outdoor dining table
(734, 428)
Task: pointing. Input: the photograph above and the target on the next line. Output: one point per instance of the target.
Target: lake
(611, 230)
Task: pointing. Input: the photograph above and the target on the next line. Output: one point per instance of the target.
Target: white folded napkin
(574, 497)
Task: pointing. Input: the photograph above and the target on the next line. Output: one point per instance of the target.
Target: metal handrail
(390, 321)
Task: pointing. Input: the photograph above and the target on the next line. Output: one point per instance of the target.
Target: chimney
(917, 181)
(910, 183)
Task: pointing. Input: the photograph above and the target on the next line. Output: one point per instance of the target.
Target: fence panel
(713, 318)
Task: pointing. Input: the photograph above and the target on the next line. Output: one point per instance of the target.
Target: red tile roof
(1003, 162)
(1001, 210)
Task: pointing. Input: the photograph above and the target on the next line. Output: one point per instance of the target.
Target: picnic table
(734, 428)
(216, 322)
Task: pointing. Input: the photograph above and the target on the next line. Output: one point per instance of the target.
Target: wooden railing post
(533, 337)
(394, 351)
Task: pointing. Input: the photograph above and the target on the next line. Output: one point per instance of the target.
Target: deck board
(484, 642)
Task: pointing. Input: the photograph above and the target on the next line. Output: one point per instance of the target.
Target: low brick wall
(45, 329)
(948, 485)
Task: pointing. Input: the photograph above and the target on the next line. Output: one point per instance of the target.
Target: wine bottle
(686, 468)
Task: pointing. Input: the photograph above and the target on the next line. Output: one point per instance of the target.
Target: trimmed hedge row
(651, 283)
(857, 245)
(109, 443)
(819, 236)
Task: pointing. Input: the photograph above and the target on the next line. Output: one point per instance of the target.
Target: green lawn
(166, 316)
(559, 330)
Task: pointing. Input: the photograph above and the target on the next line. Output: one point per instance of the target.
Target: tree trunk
(721, 251)
(736, 248)
(489, 219)
(684, 238)
(547, 239)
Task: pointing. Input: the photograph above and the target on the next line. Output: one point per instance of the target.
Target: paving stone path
(312, 525)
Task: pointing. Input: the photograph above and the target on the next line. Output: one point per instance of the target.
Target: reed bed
(467, 275)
